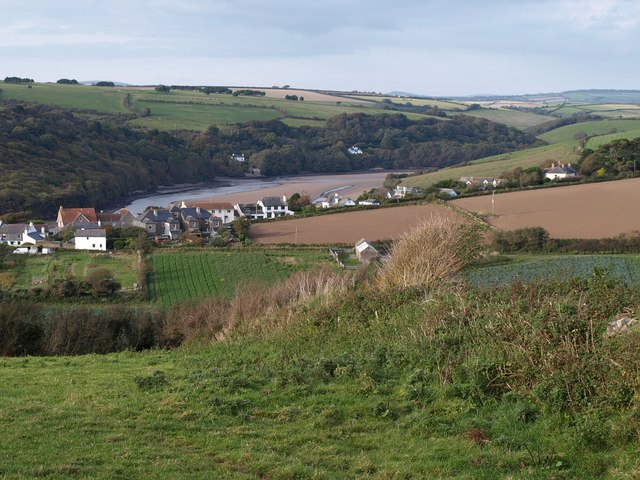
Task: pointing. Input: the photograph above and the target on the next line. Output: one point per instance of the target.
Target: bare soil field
(597, 210)
(308, 95)
(348, 227)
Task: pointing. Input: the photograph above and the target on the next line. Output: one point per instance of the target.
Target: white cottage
(91, 239)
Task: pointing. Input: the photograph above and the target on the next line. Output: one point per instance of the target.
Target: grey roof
(91, 232)
(563, 169)
(35, 236)
(13, 228)
(273, 202)
(195, 213)
(156, 215)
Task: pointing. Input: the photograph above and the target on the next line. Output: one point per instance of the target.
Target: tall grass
(433, 250)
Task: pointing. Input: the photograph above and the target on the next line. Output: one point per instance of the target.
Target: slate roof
(273, 202)
(13, 228)
(91, 232)
(157, 215)
(210, 205)
(197, 213)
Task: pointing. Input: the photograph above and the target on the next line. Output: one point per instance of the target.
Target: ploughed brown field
(596, 210)
(348, 227)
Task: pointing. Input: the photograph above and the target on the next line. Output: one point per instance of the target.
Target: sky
(426, 47)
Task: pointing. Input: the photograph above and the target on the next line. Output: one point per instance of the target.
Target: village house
(353, 150)
(560, 172)
(159, 222)
(249, 210)
(18, 234)
(401, 192)
(195, 221)
(482, 182)
(90, 239)
(223, 210)
(273, 207)
(76, 216)
(118, 219)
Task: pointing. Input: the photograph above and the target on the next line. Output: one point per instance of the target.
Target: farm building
(365, 251)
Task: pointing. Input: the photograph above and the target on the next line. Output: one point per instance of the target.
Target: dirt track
(349, 227)
(596, 210)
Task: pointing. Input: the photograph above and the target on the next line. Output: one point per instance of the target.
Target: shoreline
(242, 189)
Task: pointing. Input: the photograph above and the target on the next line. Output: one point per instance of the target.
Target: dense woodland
(388, 141)
(51, 156)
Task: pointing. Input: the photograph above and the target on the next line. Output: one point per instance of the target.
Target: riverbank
(249, 190)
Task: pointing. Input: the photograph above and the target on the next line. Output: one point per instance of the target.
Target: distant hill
(593, 96)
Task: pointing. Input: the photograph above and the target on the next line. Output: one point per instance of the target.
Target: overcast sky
(429, 47)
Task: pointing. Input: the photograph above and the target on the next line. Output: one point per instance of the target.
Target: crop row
(624, 267)
(184, 276)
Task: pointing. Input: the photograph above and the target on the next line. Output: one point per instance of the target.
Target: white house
(17, 234)
(401, 191)
(370, 202)
(91, 239)
(560, 172)
(273, 207)
(355, 150)
(365, 251)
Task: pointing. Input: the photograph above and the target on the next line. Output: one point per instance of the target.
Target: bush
(430, 252)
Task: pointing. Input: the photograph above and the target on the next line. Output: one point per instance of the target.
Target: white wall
(91, 243)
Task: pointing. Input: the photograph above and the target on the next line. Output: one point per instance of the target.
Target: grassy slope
(348, 389)
(598, 127)
(512, 118)
(495, 165)
(102, 99)
(595, 142)
(169, 111)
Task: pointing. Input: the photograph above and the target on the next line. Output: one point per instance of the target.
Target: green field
(592, 128)
(546, 267)
(194, 275)
(189, 109)
(498, 164)
(430, 102)
(595, 142)
(512, 118)
(102, 99)
(29, 271)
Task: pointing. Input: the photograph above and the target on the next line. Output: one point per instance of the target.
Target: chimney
(99, 223)
(43, 230)
(198, 210)
(553, 165)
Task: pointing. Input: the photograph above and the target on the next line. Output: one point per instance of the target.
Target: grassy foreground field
(368, 385)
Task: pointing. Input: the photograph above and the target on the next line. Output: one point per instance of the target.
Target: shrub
(430, 252)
